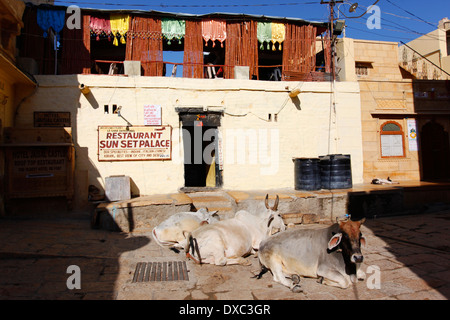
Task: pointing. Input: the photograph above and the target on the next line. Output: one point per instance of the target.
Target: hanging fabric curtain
(173, 29)
(242, 48)
(214, 30)
(76, 49)
(299, 54)
(51, 18)
(278, 34)
(33, 45)
(144, 43)
(100, 26)
(264, 34)
(120, 24)
(193, 51)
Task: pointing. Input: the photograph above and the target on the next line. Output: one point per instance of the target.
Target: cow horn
(275, 206)
(266, 202)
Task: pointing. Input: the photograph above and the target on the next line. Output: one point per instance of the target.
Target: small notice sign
(412, 135)
(134, 143)
(51, 119)
(152, 115)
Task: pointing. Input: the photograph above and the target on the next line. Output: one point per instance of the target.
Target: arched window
(392, 140)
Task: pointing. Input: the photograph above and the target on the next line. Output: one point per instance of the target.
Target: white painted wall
(302, 130)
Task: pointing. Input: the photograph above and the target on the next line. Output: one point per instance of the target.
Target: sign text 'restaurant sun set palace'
(134, 143)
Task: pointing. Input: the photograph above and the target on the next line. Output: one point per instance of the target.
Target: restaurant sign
(134, 143)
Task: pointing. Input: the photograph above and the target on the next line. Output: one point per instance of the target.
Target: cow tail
(264, 269)
(192, 243)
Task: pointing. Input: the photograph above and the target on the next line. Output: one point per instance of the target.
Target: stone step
(213, 201)
(300, 218)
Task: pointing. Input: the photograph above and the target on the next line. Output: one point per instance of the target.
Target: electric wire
(412, 14)
(161, 5)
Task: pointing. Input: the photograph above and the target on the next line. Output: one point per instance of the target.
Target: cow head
(349, 239)
(275, 222)
(208, 216)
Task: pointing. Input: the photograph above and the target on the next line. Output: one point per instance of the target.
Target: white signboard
(152, 115)
(412, 135)
(134, 143)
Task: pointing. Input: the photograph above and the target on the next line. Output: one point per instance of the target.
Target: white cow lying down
(229, 241)
(172, 231)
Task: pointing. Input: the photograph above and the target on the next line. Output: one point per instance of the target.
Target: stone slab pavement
(406, 257)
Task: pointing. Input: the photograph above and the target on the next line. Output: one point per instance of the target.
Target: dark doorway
(435, 152)
(200, 131)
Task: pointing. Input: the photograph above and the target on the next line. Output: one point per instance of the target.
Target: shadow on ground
(35, 255)
(413, 254)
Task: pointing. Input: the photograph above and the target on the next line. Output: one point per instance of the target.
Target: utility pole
(332, 3)
(332, 123)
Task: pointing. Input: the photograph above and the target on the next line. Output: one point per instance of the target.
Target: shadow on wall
(431, 103)
(86, 172)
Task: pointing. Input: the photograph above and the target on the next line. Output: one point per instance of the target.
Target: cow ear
(270, 220)
(334, 241)
(363, 241)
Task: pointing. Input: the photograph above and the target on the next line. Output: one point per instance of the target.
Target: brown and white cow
(332, 254)
(229, 241)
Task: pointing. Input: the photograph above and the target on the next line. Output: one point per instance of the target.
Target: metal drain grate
(161, 271)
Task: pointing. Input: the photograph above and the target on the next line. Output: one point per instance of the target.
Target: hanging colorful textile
(214, 30)
(278, 34)
(51, 18)
(264, 34)
(100, 26)
(173, 29)
(119, 27)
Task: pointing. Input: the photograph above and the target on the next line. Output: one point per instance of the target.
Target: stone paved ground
(411, 252)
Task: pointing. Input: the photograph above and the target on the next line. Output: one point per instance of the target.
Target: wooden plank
(147, 272)
(141, 272)
(153, 273)
(185, 273)
(158, 271)
(170, 271)
(136, 271)
(175, 271)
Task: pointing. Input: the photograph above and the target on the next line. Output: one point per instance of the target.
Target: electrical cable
(412, 14)
(161, 5)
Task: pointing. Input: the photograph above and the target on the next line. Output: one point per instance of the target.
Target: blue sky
(399, 20)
